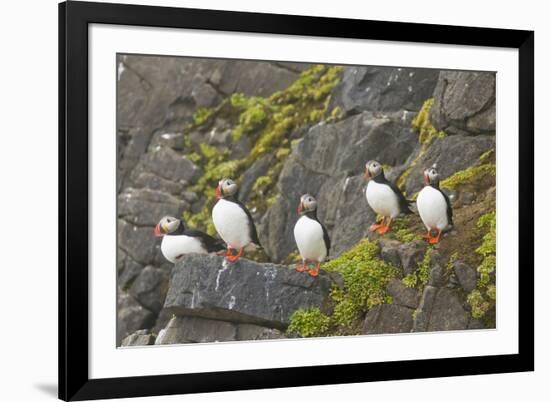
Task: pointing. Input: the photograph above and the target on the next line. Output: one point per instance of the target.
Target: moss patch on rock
(469, 175)
(426, 134)
(365, 278)
(482, 298)
(308, 323)
(422, 124)
(419, 277)
(404, 230)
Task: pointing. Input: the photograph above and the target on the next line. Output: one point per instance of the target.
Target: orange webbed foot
(302, 267)
(314, 272)
(374, 227)
(233, 258)
(385, 227)
(435, 240)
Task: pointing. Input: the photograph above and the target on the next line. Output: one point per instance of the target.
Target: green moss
(365, 277)
(420, 276)
(491, 292)
(401, 230)
(255, 111)
(202, 115)
(487, 155)
(487, 249)
(479, 303)
(453, 257)
(194, 157)
(469, 175)
(426, 134)
(426, 131)
(261, 184)
(308, 323)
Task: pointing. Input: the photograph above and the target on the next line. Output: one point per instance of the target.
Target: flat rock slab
(388, 319)
(210, 287)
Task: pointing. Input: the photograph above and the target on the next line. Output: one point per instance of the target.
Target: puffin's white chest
(173, 247)
(309, 239)
(432, 208)
(382, 199)
(231, 223)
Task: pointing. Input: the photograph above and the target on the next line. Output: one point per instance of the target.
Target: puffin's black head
(168, 224)
(307, 204)
(226, 188)
(431, 176)
(373, 169)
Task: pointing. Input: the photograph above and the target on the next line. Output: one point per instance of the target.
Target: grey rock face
(258, 168)
(448, 312)
(423, 312)
(251, 332)
(150, 288)
(139, 338)
(153, 182)
(253, 78)
(328, 163)
(464, 103)
(452, 154)
(384, 89)
(129, 273)
(138, 242)
(401, 294)
(388, 319)
(194, 329)
(168, 164)
(466, 275)
(402, 255)
(144, 207)
(245, 291)
(131, 316)
(440, 309)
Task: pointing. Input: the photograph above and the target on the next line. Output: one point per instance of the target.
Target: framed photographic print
(256, 200)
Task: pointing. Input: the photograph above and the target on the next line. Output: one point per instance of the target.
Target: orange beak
(367, 174)
(426, 179)
(218, 192)
(300, 207)
(157, 231)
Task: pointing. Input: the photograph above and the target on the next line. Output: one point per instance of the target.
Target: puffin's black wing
(253, 234)
(404, 204)
(210, 243)
(449, 208)
(326, 238)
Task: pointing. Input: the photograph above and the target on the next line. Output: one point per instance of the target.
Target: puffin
(233, 221)
(177, 240)
(384, 197)
(434, 206)
(311, 236)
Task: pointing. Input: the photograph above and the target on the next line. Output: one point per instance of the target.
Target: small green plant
(487, 155)
(479, 303)
(308, 323)
(420, 276)
(401, 230)
(469, 175)
(426, 131)
(202, 115)
(365, 278)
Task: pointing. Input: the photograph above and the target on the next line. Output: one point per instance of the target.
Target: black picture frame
(74, 19)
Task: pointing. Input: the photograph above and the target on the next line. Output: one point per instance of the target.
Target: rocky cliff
(280, 130)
